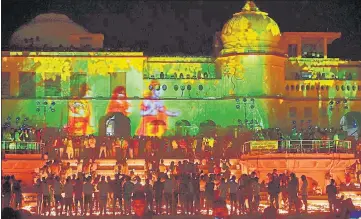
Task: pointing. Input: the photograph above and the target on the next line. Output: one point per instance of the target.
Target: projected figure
(154, 114)
(80, 114)
(118, 103)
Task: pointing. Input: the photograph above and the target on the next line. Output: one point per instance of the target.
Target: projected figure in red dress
(119, 102)
(80, 112)
(154, 114)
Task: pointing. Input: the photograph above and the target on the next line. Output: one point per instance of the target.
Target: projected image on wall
(154, 114)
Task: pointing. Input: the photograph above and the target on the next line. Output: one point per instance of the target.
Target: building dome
(250, 30)
(50, 29)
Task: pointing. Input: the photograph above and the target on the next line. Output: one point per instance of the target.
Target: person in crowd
(273, 191)
(103, 149)
(68, 189)
(93, 168)
(118, 193)
(117, 148)
(223, 188)
(78, 196)
(103, 188)
(46, 196)
(256, 189)
(124, 148)
(233, 188)
(128, 191)
(58, 199)
(293, 188)
(304, 191)
(158, 195)
(69, 148)
(331, 191)
(148, 191)
(209, 194)
(39, 196)
(92, 144)
(88, 190)
(190, 196)
(6, 192)
(168, 193)
(110, 183)
(139, 206)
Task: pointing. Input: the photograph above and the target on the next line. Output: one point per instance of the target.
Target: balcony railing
(21, 147)
(297, 146)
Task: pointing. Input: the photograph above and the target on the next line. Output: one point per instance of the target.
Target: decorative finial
(250, 6)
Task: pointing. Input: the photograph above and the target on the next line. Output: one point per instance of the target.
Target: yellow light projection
(250, 30)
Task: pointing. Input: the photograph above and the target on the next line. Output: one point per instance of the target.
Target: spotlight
(189, 87)
(17, 118)
(331, 102)
(37, 109)
(293, 122)
(53, 103)
(200, 87)
(345, 101)
(52, 110)
(244, 99)
(164, 87)
(150, 87)
(182, 87)
(237, 100)
(252, 106)
(238, 106)
(239, 121)
(45, 102)
(37, 102)
(337, 102)
(176, 87)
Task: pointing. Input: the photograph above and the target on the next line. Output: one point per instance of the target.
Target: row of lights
(337, 103)
(175, 87)
(312, 87)
(181, 76)
(45, 104)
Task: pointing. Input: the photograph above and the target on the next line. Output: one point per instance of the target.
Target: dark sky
(176, 27)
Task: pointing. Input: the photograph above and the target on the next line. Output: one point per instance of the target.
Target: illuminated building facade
(257, 78)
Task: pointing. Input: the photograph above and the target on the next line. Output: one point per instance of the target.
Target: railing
(21, 147)
(297, 146)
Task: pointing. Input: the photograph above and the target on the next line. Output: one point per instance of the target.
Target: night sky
(187, 27)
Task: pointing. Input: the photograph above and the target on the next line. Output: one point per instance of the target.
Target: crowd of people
(176, 189)
(180, 188)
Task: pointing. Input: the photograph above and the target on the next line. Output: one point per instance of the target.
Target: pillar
(299, 48)
(325, 48)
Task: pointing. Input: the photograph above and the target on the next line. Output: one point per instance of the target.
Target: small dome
(250, 30)
(47, 29)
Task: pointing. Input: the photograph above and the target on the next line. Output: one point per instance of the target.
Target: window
(27, 86)
(307, 112)
(117, 79)
(292, 112)
(52, 85)
(78, 85)
(84, 41)
(5, 84)
(292, 50)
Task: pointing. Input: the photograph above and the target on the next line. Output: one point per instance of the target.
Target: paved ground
(303, 216)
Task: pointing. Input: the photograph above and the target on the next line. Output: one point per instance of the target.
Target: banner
(264, 145)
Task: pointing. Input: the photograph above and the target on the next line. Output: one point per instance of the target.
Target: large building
(259, 77)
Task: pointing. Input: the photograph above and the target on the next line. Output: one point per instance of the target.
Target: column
(299, 47)
(325, 48)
